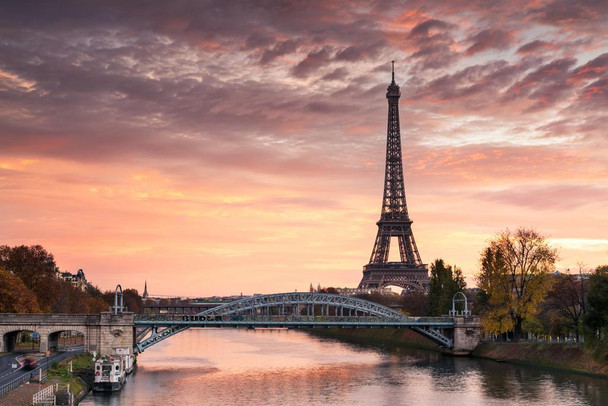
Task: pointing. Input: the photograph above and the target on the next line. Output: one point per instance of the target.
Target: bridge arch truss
(291, 310)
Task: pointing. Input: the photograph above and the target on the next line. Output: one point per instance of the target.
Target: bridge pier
(114, 334)
(44, 343)
(467, 334)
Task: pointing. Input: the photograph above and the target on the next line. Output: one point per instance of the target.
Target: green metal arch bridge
(292, 310)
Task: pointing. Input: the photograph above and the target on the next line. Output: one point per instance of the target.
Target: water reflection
(280, 367)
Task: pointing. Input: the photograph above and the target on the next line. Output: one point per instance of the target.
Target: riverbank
(382, 338)
(558, 356)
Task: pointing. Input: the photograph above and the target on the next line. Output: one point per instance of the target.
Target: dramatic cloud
(280, 49)
(432, 43)
(535, 46)
(489, 39)
(313, 62)
(245, 141)
(567, 13)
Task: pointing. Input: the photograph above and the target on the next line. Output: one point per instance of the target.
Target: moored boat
(110, 374)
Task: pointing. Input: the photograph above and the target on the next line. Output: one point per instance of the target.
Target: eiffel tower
(409, 273)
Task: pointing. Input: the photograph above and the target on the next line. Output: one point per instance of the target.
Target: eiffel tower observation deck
(409, 273)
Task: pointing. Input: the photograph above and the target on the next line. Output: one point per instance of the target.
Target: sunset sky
(220, 147)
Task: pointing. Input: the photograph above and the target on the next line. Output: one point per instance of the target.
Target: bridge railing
(28, 318)
(6, 388)
(194, 319)
(439, 319)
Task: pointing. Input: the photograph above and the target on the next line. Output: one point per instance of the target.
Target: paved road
(9, 374)
(6, 362)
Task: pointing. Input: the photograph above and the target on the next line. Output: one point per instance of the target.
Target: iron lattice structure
(409, 273)
(291, 310)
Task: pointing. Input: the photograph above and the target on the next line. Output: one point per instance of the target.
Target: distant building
(364, 291)
(78, 280)
(145, 295)
(580, 276)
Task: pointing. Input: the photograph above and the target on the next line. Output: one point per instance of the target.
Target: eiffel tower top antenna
(393, 70)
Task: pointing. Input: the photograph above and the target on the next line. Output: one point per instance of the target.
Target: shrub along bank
(61, 374)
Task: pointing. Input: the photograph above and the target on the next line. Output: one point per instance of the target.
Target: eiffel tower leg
(382, 247)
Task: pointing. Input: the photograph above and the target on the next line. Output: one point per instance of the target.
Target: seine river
(285, 367)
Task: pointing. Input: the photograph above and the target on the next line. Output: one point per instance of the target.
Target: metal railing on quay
(6, 388)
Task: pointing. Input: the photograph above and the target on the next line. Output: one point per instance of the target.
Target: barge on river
(111, 372)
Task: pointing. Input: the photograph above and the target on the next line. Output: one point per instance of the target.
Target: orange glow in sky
(235, 148)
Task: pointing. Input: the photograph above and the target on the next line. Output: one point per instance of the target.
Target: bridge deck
(289, 321)
(291, 310)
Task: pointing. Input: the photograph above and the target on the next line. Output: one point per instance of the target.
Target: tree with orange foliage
(515, 278)
(37, 270)
(15, 297)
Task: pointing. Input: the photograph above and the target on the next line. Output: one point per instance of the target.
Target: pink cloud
(535, 46)
(142, 139)
(595, 68)
(490, 38)
(431, 41)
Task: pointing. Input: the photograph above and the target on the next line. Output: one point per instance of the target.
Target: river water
(286, 367)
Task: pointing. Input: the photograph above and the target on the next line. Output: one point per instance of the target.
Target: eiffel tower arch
(409, 273)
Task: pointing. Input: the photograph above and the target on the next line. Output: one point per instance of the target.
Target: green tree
(15, 297)
(596, 319)
(515, 277)
(568, 297)
(444, 283)
(415, 303)
(389, 300)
